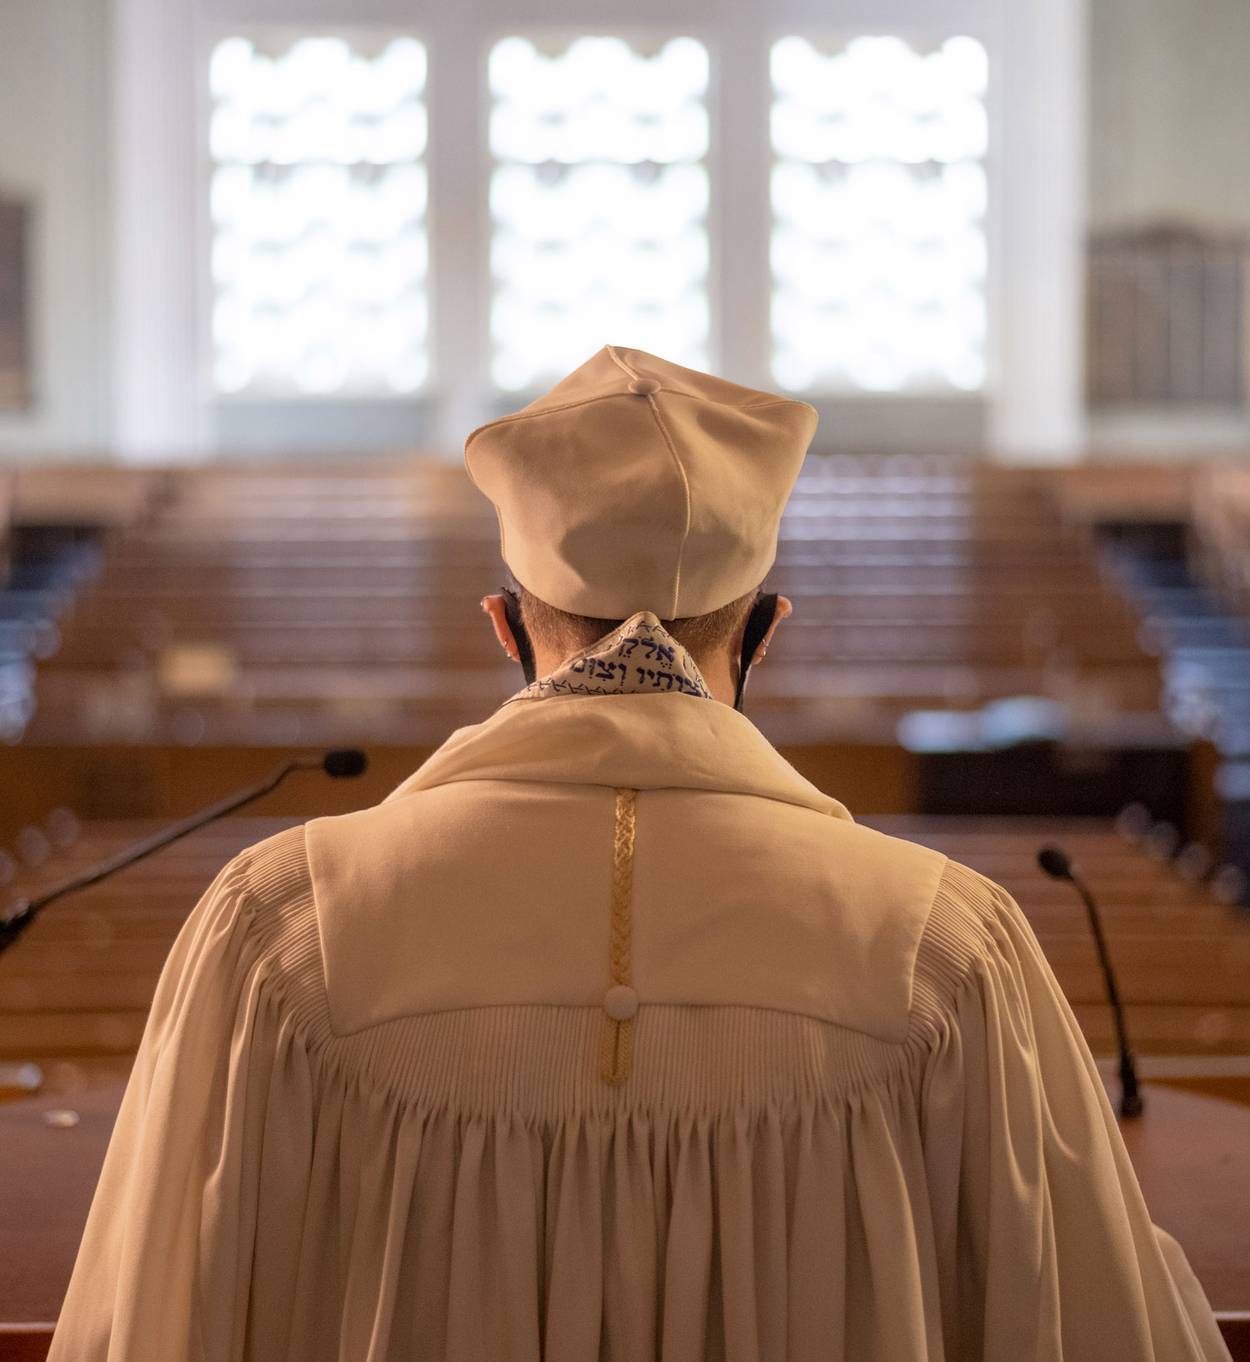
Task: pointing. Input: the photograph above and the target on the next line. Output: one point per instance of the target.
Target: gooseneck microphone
(342, 763)
(1058, 865)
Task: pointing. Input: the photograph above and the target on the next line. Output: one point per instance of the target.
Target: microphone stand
(1057, 864)
(22, 912)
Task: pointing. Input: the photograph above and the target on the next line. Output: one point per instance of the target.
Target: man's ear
(494, 606)
(785, 607)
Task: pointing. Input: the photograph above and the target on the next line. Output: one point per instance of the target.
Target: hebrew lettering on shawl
(639, 656)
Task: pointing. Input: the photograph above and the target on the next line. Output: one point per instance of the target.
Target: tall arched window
(318, 208)
(878, 194)
(598, 201)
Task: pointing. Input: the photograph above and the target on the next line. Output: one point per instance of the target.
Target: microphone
(1058, 865)
(339, 764)
(344, 763)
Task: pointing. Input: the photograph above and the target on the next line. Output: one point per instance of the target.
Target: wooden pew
(309, 597)
(81, 979)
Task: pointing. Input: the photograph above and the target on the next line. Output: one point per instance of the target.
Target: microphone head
(1054, 861)
(344, 762)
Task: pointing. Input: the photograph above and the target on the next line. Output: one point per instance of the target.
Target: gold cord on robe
(616, 1048)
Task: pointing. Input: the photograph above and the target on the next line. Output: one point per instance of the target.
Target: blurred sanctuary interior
(263, 267)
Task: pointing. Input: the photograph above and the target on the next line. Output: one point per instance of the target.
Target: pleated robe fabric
(370, 1117)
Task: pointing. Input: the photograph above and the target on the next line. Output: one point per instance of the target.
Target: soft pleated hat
(638, 484)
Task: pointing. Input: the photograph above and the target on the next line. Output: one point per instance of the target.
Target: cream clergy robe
(608, 1035)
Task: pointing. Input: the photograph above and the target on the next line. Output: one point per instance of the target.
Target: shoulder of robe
(882, 890)
(960, 933)
(272, 884)
(274, 870)
(949, 910)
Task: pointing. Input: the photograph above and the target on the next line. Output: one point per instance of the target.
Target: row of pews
(51, 524)
(1221, 520)
(80, 980)
(324, 604)
(214, 616)
(235, 609)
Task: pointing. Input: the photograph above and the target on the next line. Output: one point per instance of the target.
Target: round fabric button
(620, 1002)
(643, 387)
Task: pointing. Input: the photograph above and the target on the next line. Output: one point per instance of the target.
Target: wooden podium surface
(1192, 1157)
(1191, 1153)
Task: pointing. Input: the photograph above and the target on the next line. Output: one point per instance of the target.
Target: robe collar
(631, 710)
(639, 656)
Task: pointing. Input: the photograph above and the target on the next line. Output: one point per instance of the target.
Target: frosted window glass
(878, 192)
(318, 209)
(598, 202)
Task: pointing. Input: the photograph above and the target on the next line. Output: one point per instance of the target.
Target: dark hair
(703, 636)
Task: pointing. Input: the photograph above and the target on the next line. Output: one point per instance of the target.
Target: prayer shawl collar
(630, 710)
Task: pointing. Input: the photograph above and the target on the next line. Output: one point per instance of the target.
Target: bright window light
(878, 202)
(318, 207)
(598, 200)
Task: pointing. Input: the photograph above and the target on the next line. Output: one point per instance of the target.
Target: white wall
(1170, 137)
(53, 143)
(155, 182)
(1036, 351)
(1170, 110)
(1169, 100)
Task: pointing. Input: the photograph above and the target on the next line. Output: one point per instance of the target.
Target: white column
(157, 412)
(1037, 408)
(741, 216)
(459, 226)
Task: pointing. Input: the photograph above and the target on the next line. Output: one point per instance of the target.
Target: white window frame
(1031, 399)
(634, 33)
(264, 34)
(920, 38)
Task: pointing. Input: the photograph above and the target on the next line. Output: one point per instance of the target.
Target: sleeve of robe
(174, 1209)
(1045, 1244)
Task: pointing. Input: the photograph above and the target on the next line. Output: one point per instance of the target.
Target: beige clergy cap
(638, 484)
